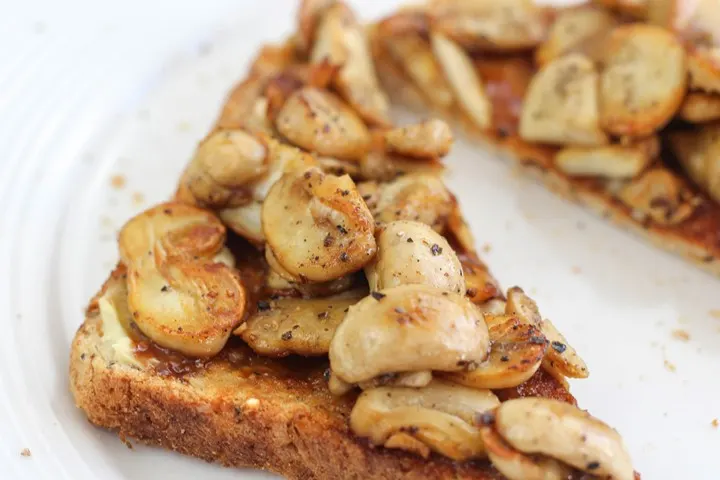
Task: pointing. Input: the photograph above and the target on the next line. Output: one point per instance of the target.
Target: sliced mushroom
(318, 226)
(522, 307)
(413, 253)
(562, 359)
(340, 40)
(643, 81)
(297, 326)
(277, 285)
(245, 219)
(407, 329)
(660, 195)
(318, 121)
(223, 165)
(704, 68)
(420, 197)
(429, 139)
(516, 352)
(464, 80)
(562, 431)
(699, 153)
(404, 379)
(608, 161)
(502, 26)
(414, 54)
(561, 105)
(516, 465)
(310, 12)
(572, 29)
(339, 167)
(179, 296)
(480, 285)
(438, 417)
(700, 107)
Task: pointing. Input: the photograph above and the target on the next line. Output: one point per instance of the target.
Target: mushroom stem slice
(408, 328)
(429, 139)
(562, 431)
(561, 105)
(318, 225)
(608, 161)
(464, 80)
(439, 416)
(179, 295)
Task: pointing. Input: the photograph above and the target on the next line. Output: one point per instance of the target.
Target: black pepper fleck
(342, 229)
(344, 257)
(322, 315)
(504, 358)
(165, 288)
(558, 346)
(485, 418)
(593, 465)
(436, 249)
(263, 306)
(287, 335)
(537, 339)
(378, 296)
(410, 240)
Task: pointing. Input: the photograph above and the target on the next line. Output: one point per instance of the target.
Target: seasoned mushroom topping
(572, 30)
(178, 295)
(429, 139)
(660, 195)
(310, 12)
(420, 197)
(561, 106)
(699, 107)
(318, 226)
(540, 426)
(608, 161)
(412, 252)
(414, 54)
(562, 359)
(522, 307)
(438, 417)
(464, 80)
(634, 8)
(504, 26)
(341, 41)
(245, 219)
(643, 81)
(699, 153)
(704, 68)
(320, 122)
(277, 285)
(407, 329)
(404, 379)
(297, 326)
(224, 163)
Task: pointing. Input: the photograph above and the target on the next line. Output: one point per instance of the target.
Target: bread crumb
(680, 334)
(118, 181)
(670, 367)
(715, 313)
(715, 423)
(576, 270)
(138, 198)
(25, 452)
(486, 248)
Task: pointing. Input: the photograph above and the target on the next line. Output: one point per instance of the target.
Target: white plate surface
(101, 104)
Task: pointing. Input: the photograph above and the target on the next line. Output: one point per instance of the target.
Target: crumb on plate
(680, 334)
(118, 181)
(25, 452)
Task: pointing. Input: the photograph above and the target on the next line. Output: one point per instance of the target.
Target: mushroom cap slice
(516, 352)
(318, 121)
(516, 465)
(572, 28)
(414, 54)
(411, 252)
(439, 416)
(464, 80)
(405, 329)
(607, 161)
(318, 225)
(420, 197)
(429, 139)
(643, 81)
(564, 432)
(493, 25)
(245, 221)
(297, 326)
(561, 358)
(660, 195)
(341, 40)
(277, 285)
(699, 153)
(700, 107)
(180, 297)
(561, 104)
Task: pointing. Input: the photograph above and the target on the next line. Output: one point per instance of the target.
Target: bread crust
(288, 425)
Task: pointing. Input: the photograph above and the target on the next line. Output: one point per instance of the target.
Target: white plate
(91, 91)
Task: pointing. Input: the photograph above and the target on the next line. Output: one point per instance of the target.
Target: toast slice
(311, 302)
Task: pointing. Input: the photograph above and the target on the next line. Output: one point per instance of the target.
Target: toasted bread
(243, 410)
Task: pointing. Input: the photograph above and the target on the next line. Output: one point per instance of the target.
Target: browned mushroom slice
(429, 139)
(704, 67)
(608, 161)
(340, 40)
(464, 80)
(660, 195)
(700, 107)
(572, 30)
(561, 106)
(494, 25)
(562, 359)
(309, 15)
(633, 8)
(297, 326)
(643, 81)
(699, 153)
